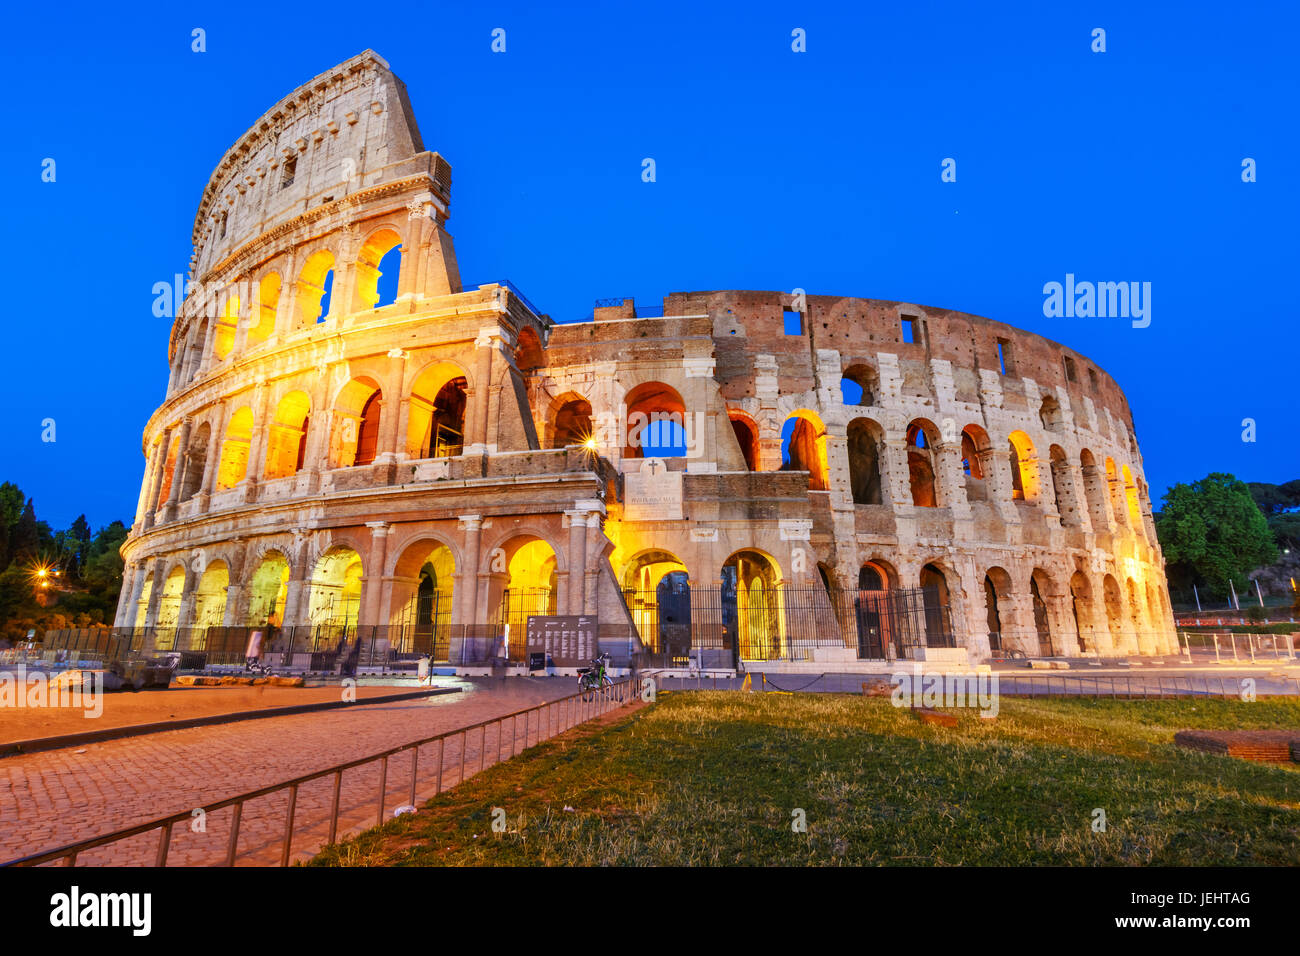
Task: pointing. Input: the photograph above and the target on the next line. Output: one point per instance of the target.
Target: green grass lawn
(711, 778)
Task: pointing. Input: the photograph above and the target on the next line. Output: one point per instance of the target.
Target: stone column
(952, 481)
(479, 394)
(211, 465)
(898, 477)
(392, 441)
(466, 593)
(160, 466)
(372, 580)
(576, 597)
(178, 472)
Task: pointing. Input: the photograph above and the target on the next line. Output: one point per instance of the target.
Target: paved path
(57, 797)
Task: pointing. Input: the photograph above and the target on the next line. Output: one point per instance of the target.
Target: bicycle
(595, 678)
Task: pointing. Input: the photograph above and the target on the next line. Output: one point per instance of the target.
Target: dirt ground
(125, 708)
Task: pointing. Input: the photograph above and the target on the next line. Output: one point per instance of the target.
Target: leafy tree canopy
(1212, 532)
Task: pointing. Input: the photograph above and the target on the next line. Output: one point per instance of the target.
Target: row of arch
(263, 305)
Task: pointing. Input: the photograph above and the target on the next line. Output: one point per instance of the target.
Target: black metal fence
(784, 623)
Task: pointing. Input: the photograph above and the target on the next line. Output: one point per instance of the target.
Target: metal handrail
(69, 852)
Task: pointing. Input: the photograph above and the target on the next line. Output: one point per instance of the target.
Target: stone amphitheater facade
(324, 458)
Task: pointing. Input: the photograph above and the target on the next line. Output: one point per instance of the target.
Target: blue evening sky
(775, 169)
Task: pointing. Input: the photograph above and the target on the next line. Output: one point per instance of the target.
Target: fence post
(234, 834)
(164, 843)
(1233, 635)
(383, 789)
(334, 810)
(288, 824)
(442, 745)
(461, 779)
(1216, 647)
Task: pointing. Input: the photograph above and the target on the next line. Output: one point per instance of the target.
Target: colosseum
(758, 479)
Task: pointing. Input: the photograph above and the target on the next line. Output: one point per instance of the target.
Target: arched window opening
(529, 356)
(196, 460)
(993, 614)
(656, 422)
(1024, 467)
(1081, 601)
(210, 596)
(1063, 487)
(268, 590)
(1131, 497)
(264, 309)
(974, 451)
(378, 267)
(1094, 487)
(747, 437)
(573, 424)
(287, 436)
(315, 284)
(751, 605)
(223, 337)
(436, 424)
(529, 587)
(803, 448)
(368, 430)
(1051, 415)
(859, 385)
(335, 604)
(921, 464)
(936, 601)
(357, 411)
(864, 461)
(233, 467)
(423, 588)
(657, 592)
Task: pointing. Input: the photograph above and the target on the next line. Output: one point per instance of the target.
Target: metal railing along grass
(540, 722)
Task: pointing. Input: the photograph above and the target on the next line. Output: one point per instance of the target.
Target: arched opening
(142, 605)
(921, 438)
(859, 385)
(210, 596)
(864, 443)
(287, 438)
(529, 357)
(357, 410)
(196, 460)
(169, 470)
(746, 433)
(1024, 467)
(751, 605)
(436, 424)
(424, 584)
(997, 590)
(657, 591)
(524, 584)
(315, 283)
(1042, 620)
(936, 600)
(975, 450)
(656, 422)
(1094, 488)
(169, 604)
(268, 589)
(378, 266)
(876, 575)
(233, 467)
(336, 591)
(194, 358)
(1153, 612)
(264, 309)
(1114, 613)
(803, 448)
(1081, 598)
(1050, 414)
(572, 424)
(223, 336)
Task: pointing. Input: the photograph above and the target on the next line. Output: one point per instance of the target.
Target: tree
(1212, 532)
(25, 538)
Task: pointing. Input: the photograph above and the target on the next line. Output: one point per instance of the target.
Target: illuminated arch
(383, 247)
(210, 595)
(268, 590)
(976, 451)
(803, 448)
(264, 309)
(314, 289)
(746, 431)
(1024, 467)
(223, 336)
(656, 422)
(355, 435)
(435, 427)
(287, 436)
(752, 604)
(335, 599)
(233, 466)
